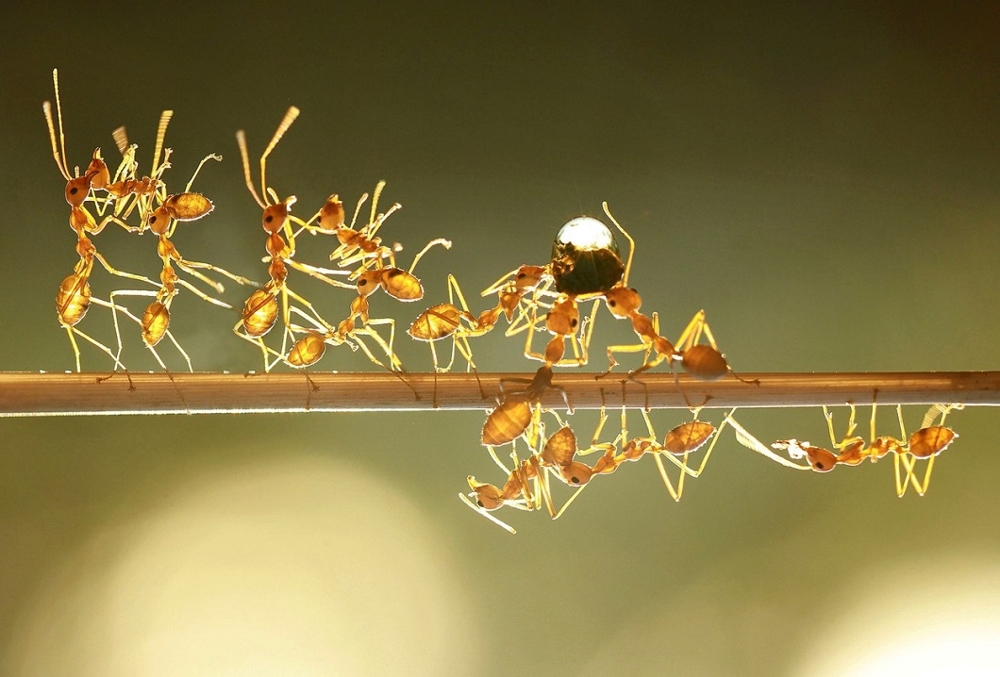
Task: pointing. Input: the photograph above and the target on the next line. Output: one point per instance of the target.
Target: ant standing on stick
(74, 296)
(261, 310)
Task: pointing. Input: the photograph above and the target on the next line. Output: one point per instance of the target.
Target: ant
(924, 444)
(520, 410)
(560, 450)
(308, 350)
(446, 319)
(678, 444)
(355, 245)
(512, 288)
(74, 296)
(526, 488)
(162, 221)
(364, 248)
(701, 360)
(260, 312)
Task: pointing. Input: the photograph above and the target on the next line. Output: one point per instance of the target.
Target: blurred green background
(823, 183)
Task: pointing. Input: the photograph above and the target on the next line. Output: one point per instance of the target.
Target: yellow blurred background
(823, 184)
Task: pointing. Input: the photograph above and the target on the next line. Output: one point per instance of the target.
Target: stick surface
(75, 394)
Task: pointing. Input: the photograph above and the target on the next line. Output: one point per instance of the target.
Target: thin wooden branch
(73, 394)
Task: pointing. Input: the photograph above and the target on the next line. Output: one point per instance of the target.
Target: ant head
(576, 474)
(622, 301)
(528, 277)
(77, 190)
(331, 215)
(821, 460)
(158, 220)
(368, 281)
(98, 171)
(488, 496)
(275, 216)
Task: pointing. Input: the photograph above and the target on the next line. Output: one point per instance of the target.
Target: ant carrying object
(925, 444)
(585, 263)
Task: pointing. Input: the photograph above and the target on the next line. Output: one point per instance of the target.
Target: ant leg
(397, 365)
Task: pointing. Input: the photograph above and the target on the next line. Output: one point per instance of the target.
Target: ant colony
(551, 307)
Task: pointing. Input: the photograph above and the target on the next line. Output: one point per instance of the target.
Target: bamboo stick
(77, 394)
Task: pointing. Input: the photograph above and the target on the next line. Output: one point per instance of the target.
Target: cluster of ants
(140, 203)
(527, 485)
(585, 266)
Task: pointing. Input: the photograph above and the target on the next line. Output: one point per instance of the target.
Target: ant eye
(573, 323)
(612, 303)
(74, 191)
(268, 218)
(362, 283)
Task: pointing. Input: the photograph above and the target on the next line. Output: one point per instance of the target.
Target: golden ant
(701, 360)
(162, 221)
(74, 296)
(355, 245)
(678, 444)
(308, 350)
(260, 312)
(924, 444)
(376, 263)
(520, 410)
(446, 319)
